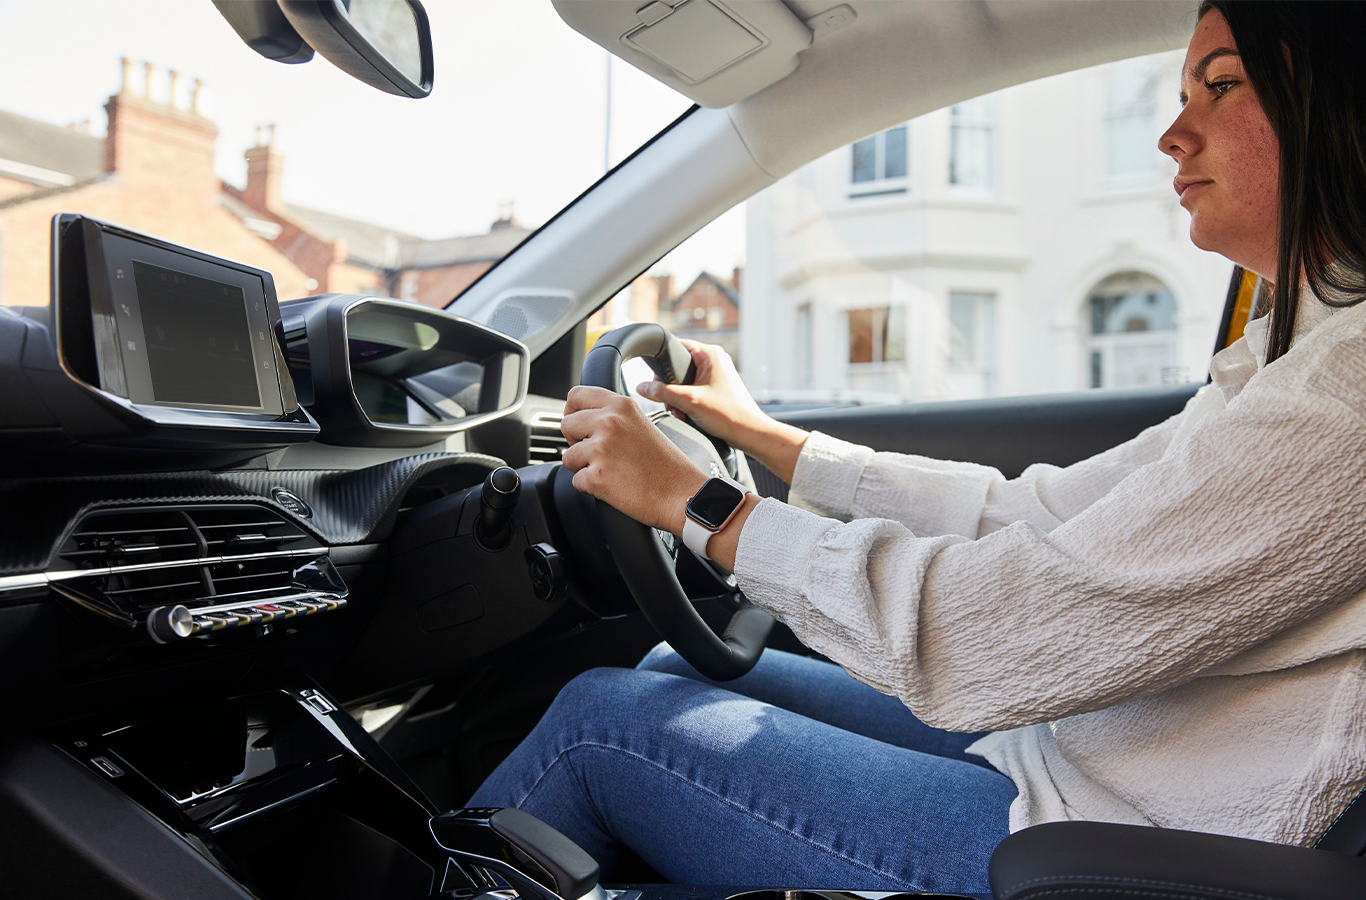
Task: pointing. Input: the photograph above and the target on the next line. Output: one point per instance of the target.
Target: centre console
(273, 795)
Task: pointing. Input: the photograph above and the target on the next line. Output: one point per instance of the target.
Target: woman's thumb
(668, 394)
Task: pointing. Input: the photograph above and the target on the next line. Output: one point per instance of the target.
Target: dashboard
(232, 529)
(204, 480)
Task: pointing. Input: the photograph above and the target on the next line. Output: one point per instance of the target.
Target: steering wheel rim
(645, 565)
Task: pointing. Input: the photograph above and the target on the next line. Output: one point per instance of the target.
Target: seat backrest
(1347, 834)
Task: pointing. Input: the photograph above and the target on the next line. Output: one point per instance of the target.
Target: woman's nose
(1181, 139)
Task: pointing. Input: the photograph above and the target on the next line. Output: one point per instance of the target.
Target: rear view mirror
(385, 43)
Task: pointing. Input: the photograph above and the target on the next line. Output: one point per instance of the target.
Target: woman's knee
(663, 658)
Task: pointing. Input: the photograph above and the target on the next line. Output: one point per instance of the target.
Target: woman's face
(1228, 156)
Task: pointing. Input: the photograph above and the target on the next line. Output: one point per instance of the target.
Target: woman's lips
(1185, 187)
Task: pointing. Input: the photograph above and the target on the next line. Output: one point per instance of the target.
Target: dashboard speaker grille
(523, 316)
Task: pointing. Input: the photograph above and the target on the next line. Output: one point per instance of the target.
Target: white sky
(517, 112)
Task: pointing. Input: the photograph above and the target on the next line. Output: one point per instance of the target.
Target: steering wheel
(646, 565)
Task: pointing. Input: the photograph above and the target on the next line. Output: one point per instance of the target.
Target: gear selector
(532, 857)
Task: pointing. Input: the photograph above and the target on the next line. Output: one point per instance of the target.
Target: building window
(879, 164)
(877, 335)
(1130, 122)
(972, 344)
(1133, 334)
(972, 144)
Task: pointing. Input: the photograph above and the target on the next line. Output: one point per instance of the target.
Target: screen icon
(132, 345)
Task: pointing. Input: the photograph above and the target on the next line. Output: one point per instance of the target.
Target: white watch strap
(695, 537)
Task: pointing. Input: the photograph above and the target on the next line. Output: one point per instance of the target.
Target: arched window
(1133, 338)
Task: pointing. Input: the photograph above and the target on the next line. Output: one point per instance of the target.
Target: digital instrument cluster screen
(199, 347)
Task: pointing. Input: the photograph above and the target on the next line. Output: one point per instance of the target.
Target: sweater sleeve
(933, 497)
(1229, 539)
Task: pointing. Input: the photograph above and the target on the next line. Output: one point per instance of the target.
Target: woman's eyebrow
(1197, 72)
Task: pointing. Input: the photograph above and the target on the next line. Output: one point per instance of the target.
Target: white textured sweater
(1170, 633)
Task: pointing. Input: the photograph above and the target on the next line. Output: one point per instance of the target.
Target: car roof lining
(899, 59)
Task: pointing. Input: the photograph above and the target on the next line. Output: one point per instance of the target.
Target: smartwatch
(710, 510)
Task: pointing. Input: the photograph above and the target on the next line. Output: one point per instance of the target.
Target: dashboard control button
(292, 502)
(169, 623)
(546, 569)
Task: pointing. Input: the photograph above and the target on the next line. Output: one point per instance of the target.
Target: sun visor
(715, 52)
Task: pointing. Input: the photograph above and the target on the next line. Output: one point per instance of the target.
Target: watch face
(715, 503)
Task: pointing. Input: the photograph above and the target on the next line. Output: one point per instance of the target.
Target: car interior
(269, 615)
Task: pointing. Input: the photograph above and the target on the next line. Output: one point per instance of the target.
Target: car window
(154, 115)
(1027, 241)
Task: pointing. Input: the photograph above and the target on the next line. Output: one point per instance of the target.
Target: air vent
(262, 576)
(126, 562)
(234, 530)
(142, 589)
(120, 538)
(547, 442)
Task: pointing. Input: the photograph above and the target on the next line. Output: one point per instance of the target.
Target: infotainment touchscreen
(198, 339)
(182, 330)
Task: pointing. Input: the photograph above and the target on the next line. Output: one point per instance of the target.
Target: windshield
(157, 117)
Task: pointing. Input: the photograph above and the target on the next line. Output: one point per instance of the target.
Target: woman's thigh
(823, 691)
(710, 787)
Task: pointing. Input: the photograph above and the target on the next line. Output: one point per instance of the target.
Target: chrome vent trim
(547, 443)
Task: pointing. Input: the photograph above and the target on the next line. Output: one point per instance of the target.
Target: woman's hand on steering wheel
(718, 403)
(618, 456)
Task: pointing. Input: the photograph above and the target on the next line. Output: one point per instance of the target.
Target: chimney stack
(265, 165)
(126, 78)
(159, 142)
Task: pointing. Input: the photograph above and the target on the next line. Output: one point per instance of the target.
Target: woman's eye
(1220, 88)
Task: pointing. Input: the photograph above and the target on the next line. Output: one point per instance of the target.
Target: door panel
(1008, 433)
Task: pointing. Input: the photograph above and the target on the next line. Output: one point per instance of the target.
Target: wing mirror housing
(385, 43)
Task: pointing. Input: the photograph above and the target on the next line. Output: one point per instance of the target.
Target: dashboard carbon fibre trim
(349, 507)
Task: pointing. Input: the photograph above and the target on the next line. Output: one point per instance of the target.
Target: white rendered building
(1023, 242)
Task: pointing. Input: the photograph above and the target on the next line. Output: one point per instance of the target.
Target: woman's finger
(581, 424)
(675, 395)
(583, 396)
(575, 457)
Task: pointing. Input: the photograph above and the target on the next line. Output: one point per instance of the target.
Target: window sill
(873, 190)
(875, 368)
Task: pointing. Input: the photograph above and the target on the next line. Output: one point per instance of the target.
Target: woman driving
(1171, 633)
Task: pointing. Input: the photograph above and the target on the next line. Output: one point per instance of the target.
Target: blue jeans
(795, 775)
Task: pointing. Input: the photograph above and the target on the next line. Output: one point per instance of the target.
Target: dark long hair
(1304, 61)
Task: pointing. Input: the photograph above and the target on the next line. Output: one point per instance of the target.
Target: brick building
(153, 172)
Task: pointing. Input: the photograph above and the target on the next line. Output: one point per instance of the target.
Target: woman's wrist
(777, 445)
